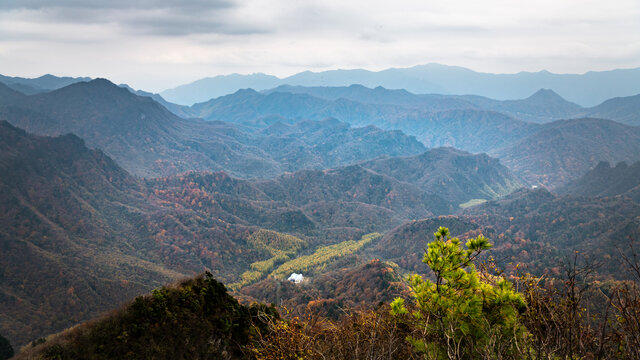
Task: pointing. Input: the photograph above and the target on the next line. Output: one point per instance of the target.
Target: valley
(109, 193)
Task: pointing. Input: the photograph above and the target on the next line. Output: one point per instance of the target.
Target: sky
(155, 45)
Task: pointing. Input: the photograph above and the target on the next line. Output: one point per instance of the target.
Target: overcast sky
(160, 44)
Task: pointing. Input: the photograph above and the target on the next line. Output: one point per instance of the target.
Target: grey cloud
(146, 17)
(185, 25)
(186, 5)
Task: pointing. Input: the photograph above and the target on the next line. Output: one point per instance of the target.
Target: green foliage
(279, 246)
(323, 256)
(275, 243)
(462, 314)
(472, 202)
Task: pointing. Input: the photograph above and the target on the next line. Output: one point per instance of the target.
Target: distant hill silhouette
(148, 140)
(543, 106)
(43, 83)
(587, 89)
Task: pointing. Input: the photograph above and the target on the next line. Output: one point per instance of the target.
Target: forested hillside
(147, 140)
(96, 236)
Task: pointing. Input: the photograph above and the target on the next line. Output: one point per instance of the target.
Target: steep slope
(455, 175)
(139, 134)
(564, 150)
(355, 184)
(180, 110)
(469, 130)
(604, 180)
(625, 110)
(72, 238)
(148, 140)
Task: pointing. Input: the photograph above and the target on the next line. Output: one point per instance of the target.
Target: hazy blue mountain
(587, 89)
(148, 140)
(621, 109)
(453, 174)
(41, 84)
(543, 106)
(435, 120)
(247, 105)
(212, 87)
(470, 130)
(9, 95)
(331, 143)
(25, 89)
(566, 149)
(378, 95)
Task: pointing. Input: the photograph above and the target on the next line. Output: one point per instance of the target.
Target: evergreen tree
(463, 314)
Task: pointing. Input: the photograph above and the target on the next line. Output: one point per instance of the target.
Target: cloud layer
(155, 44)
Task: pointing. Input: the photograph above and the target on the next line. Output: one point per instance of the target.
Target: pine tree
(463, 314)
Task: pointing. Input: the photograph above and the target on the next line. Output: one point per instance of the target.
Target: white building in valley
(296, 278)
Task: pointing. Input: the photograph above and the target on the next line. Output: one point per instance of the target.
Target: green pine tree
(463, 314)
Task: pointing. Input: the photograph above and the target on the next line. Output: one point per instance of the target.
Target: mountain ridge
(586, 89)
(148, 140)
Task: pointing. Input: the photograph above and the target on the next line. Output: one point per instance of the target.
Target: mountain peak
(546, 94)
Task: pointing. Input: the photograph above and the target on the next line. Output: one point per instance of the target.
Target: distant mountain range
(548, 154)
(41, 84)
(543, 106)
(587, 89)
(148, 140)
(267, 134)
